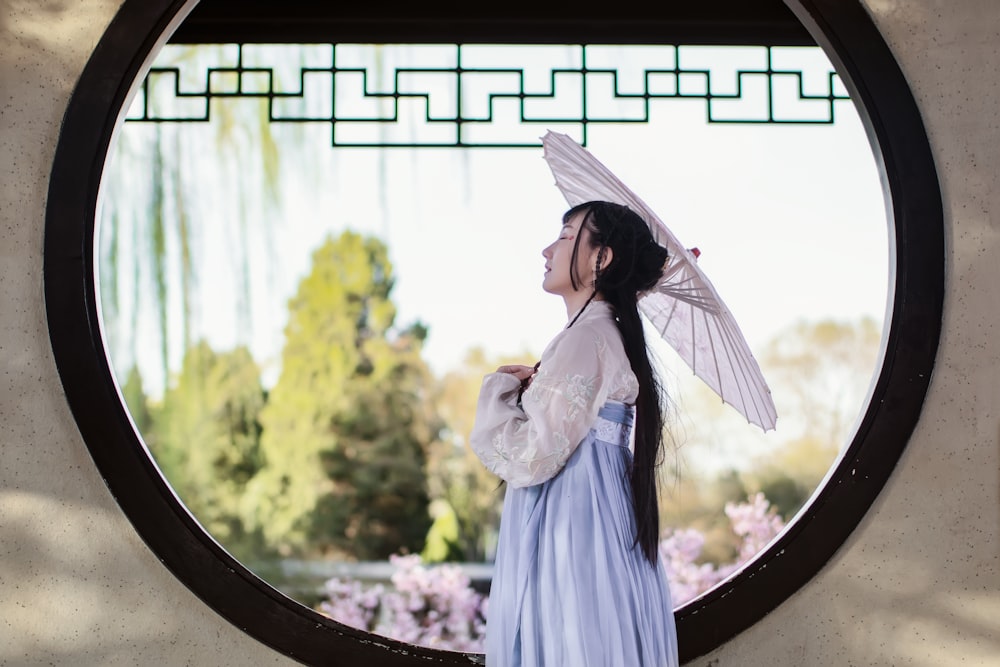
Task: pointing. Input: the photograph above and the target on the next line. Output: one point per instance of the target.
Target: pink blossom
(753, 521)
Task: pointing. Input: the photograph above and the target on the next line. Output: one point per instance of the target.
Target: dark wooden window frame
(892, 120)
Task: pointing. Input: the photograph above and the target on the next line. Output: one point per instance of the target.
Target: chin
(548, 288)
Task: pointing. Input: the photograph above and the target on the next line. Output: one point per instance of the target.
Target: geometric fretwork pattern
(455, 95)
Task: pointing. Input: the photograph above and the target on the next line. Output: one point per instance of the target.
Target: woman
(577, 579)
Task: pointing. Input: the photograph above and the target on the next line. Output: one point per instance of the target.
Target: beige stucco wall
(917, 583)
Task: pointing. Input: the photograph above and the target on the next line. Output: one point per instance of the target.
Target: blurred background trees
(359, 452)
(332, 461)
(819, 373)
(206, 437)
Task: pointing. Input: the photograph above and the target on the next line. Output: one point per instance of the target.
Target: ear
(603, 256)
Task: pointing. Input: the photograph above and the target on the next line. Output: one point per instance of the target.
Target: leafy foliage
(206, 438)
(347, 423)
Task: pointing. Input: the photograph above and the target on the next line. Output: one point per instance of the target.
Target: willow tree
(348, 422)
(161, 192)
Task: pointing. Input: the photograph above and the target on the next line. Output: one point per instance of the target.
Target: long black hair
(636, 266)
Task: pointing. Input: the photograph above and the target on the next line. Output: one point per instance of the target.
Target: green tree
(348, 422)
(206, 438)
(443, 539)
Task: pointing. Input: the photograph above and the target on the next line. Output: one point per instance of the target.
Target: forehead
(573, 222)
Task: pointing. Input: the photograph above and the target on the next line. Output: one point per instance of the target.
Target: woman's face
(558, 258)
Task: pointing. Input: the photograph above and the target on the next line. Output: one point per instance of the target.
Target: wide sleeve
(529, 444)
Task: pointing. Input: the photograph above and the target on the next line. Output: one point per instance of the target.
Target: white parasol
(684, 307)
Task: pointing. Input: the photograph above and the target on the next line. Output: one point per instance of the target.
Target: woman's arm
(530, 444)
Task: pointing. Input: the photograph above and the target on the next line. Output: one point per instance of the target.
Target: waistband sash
(613, 423)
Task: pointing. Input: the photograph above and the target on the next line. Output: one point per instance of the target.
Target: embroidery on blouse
(562, 399)
(503, 460)
(610, 432)
(578, 392)
(572, 390)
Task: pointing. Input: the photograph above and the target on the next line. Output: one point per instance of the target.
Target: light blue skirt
(569, 588)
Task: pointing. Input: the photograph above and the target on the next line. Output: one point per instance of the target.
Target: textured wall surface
(916, 584)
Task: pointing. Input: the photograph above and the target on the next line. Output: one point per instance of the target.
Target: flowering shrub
(435, 606)
(680, 551)
(429, 606)
(754, 522)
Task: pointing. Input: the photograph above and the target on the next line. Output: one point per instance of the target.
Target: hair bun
(650, 261)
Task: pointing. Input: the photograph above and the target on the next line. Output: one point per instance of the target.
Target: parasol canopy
(684, 307)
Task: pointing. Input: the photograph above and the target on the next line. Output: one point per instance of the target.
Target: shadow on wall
(60, 583)
(33, 21)
(915, 609)
(899, 596)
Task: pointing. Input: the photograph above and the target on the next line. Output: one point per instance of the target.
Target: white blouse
(581, 369)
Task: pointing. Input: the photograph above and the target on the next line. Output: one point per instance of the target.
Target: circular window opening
(207, 258)
(244, 599)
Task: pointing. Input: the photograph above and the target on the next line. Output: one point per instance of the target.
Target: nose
(547, 251)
